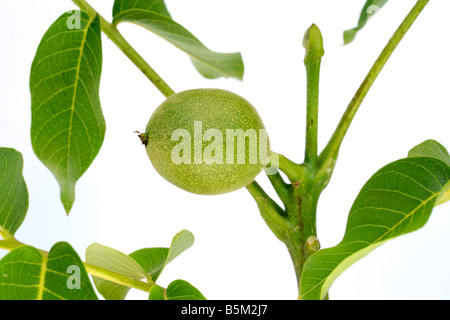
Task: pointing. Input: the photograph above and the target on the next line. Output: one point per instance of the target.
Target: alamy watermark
(74, 280)
(74, 21)
(236, 150)
(372, 9)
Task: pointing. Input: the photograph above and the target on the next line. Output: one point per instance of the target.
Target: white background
(123, 203)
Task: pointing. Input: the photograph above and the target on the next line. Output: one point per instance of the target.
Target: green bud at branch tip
(313, 42)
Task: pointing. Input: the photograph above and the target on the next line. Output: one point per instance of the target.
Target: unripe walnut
(207, 141)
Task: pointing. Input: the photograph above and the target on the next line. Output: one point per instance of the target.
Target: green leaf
(28, 274)
(153, 260)
(370, 9)
(183, 290)
(153, 15)
(156, 293)
(142, 264)
(116, 261)
(158, 6)
(177, 290)
(182, 241)
(397, 200)
(67, 127)
(430, 148)
(13, 192)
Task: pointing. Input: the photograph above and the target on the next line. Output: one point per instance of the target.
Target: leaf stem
(329, 155)
(293, 171)
(271, 212)
(10, 244)
(111, 31)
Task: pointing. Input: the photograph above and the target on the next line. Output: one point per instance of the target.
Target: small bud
(313, 43)
(312, 244)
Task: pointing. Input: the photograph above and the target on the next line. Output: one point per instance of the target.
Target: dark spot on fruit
(143, 137)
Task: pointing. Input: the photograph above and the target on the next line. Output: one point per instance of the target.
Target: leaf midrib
(41, 286)
(77, 80)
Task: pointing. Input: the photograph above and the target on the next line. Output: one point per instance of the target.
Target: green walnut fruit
(207, 141)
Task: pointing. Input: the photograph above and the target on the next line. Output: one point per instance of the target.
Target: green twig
(329, 155)
(292, 170)
(271, 212)
(284, 190)
(313, 44)
(111, 31)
